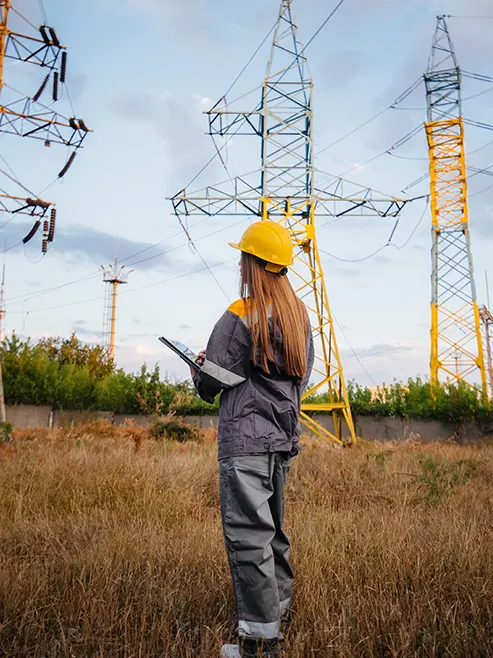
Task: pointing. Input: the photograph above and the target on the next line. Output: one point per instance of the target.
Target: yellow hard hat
(268, 241)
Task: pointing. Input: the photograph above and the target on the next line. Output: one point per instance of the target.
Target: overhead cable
(133, 290)
(231, 86)
(389, 242)
(315, 35)
(353, 351)
(393, 105)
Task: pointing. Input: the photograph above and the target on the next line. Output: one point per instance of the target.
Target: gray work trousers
(252, 509)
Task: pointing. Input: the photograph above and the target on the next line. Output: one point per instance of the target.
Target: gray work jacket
(258, 413)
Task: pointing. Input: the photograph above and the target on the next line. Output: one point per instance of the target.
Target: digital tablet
(182, 351)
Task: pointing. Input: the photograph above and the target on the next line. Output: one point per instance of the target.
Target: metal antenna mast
(487, 319)
(113, 275)
(284, 190)
(456, 342)
(25, 116)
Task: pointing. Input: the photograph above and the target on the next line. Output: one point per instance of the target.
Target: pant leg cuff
(255, 629)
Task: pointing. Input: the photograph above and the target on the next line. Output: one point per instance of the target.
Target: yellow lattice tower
(456, 342)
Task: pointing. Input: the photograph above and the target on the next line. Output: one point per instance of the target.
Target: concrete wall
(67, 418)
(27, 415)
(367, 427)
(120, 419)
(202, 422)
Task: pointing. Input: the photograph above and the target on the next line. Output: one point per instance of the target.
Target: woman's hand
(199, 361)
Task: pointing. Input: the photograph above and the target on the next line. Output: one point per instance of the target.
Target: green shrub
(6, 430)
(175, 429)
(439, 476)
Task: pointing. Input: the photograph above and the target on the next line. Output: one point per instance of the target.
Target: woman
(260, 355)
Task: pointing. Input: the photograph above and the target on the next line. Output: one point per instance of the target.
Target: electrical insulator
(67, 165)
(83, 126)
(37, 95)
(73, 124)
(32, 232)
(55, 86)
(44, 246)
(44, 35)
(45, 228)
(63, 67)
(54, 38)
(51, 231)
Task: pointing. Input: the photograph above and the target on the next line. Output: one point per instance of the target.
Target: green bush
(439, 476)
(173, 428)
(450, 403)
(6, 430)
(68, 374)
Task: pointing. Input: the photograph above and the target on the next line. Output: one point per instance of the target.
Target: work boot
(252, 648)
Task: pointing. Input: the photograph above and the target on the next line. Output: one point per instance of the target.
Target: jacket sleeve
(228, 354)
(310, 358)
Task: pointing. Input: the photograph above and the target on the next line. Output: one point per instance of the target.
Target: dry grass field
(111, 546)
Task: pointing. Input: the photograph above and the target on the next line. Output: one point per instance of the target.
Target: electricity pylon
(288, 193)
(456, 342)
(487, 319)
(113, 275)
(25, 116)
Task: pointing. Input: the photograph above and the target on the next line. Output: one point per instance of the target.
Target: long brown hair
(262, 292)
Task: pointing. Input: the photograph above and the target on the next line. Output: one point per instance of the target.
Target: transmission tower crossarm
(226, 122)
(26, 205)
(46, 125)
(25, 48)
(244, 198)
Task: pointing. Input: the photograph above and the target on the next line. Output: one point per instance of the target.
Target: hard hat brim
(234, 245)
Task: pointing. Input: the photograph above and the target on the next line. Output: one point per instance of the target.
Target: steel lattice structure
(487, 319)
(25, 116)
(456, 342)
(113, 276)
(284, 190)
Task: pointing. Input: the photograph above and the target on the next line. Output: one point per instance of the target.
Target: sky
(140, 74)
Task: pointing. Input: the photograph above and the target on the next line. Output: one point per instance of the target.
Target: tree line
(71, 375)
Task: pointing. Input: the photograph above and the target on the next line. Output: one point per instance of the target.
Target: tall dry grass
(110, 551)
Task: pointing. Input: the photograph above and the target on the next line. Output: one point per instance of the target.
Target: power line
(24, 18)
(481, 18)
(133, 290)
(321, 27)
(353, 351)
(39, 293)
(481, 191)
(386, 245)
(42, 11)
(16, 180)
(351, 132)
(356, 260)
(403, 140)
(30, 296)
(129, 291)
(393, 105)
(250, 60)
(402, 246)
(189, 242)
(208, 267)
